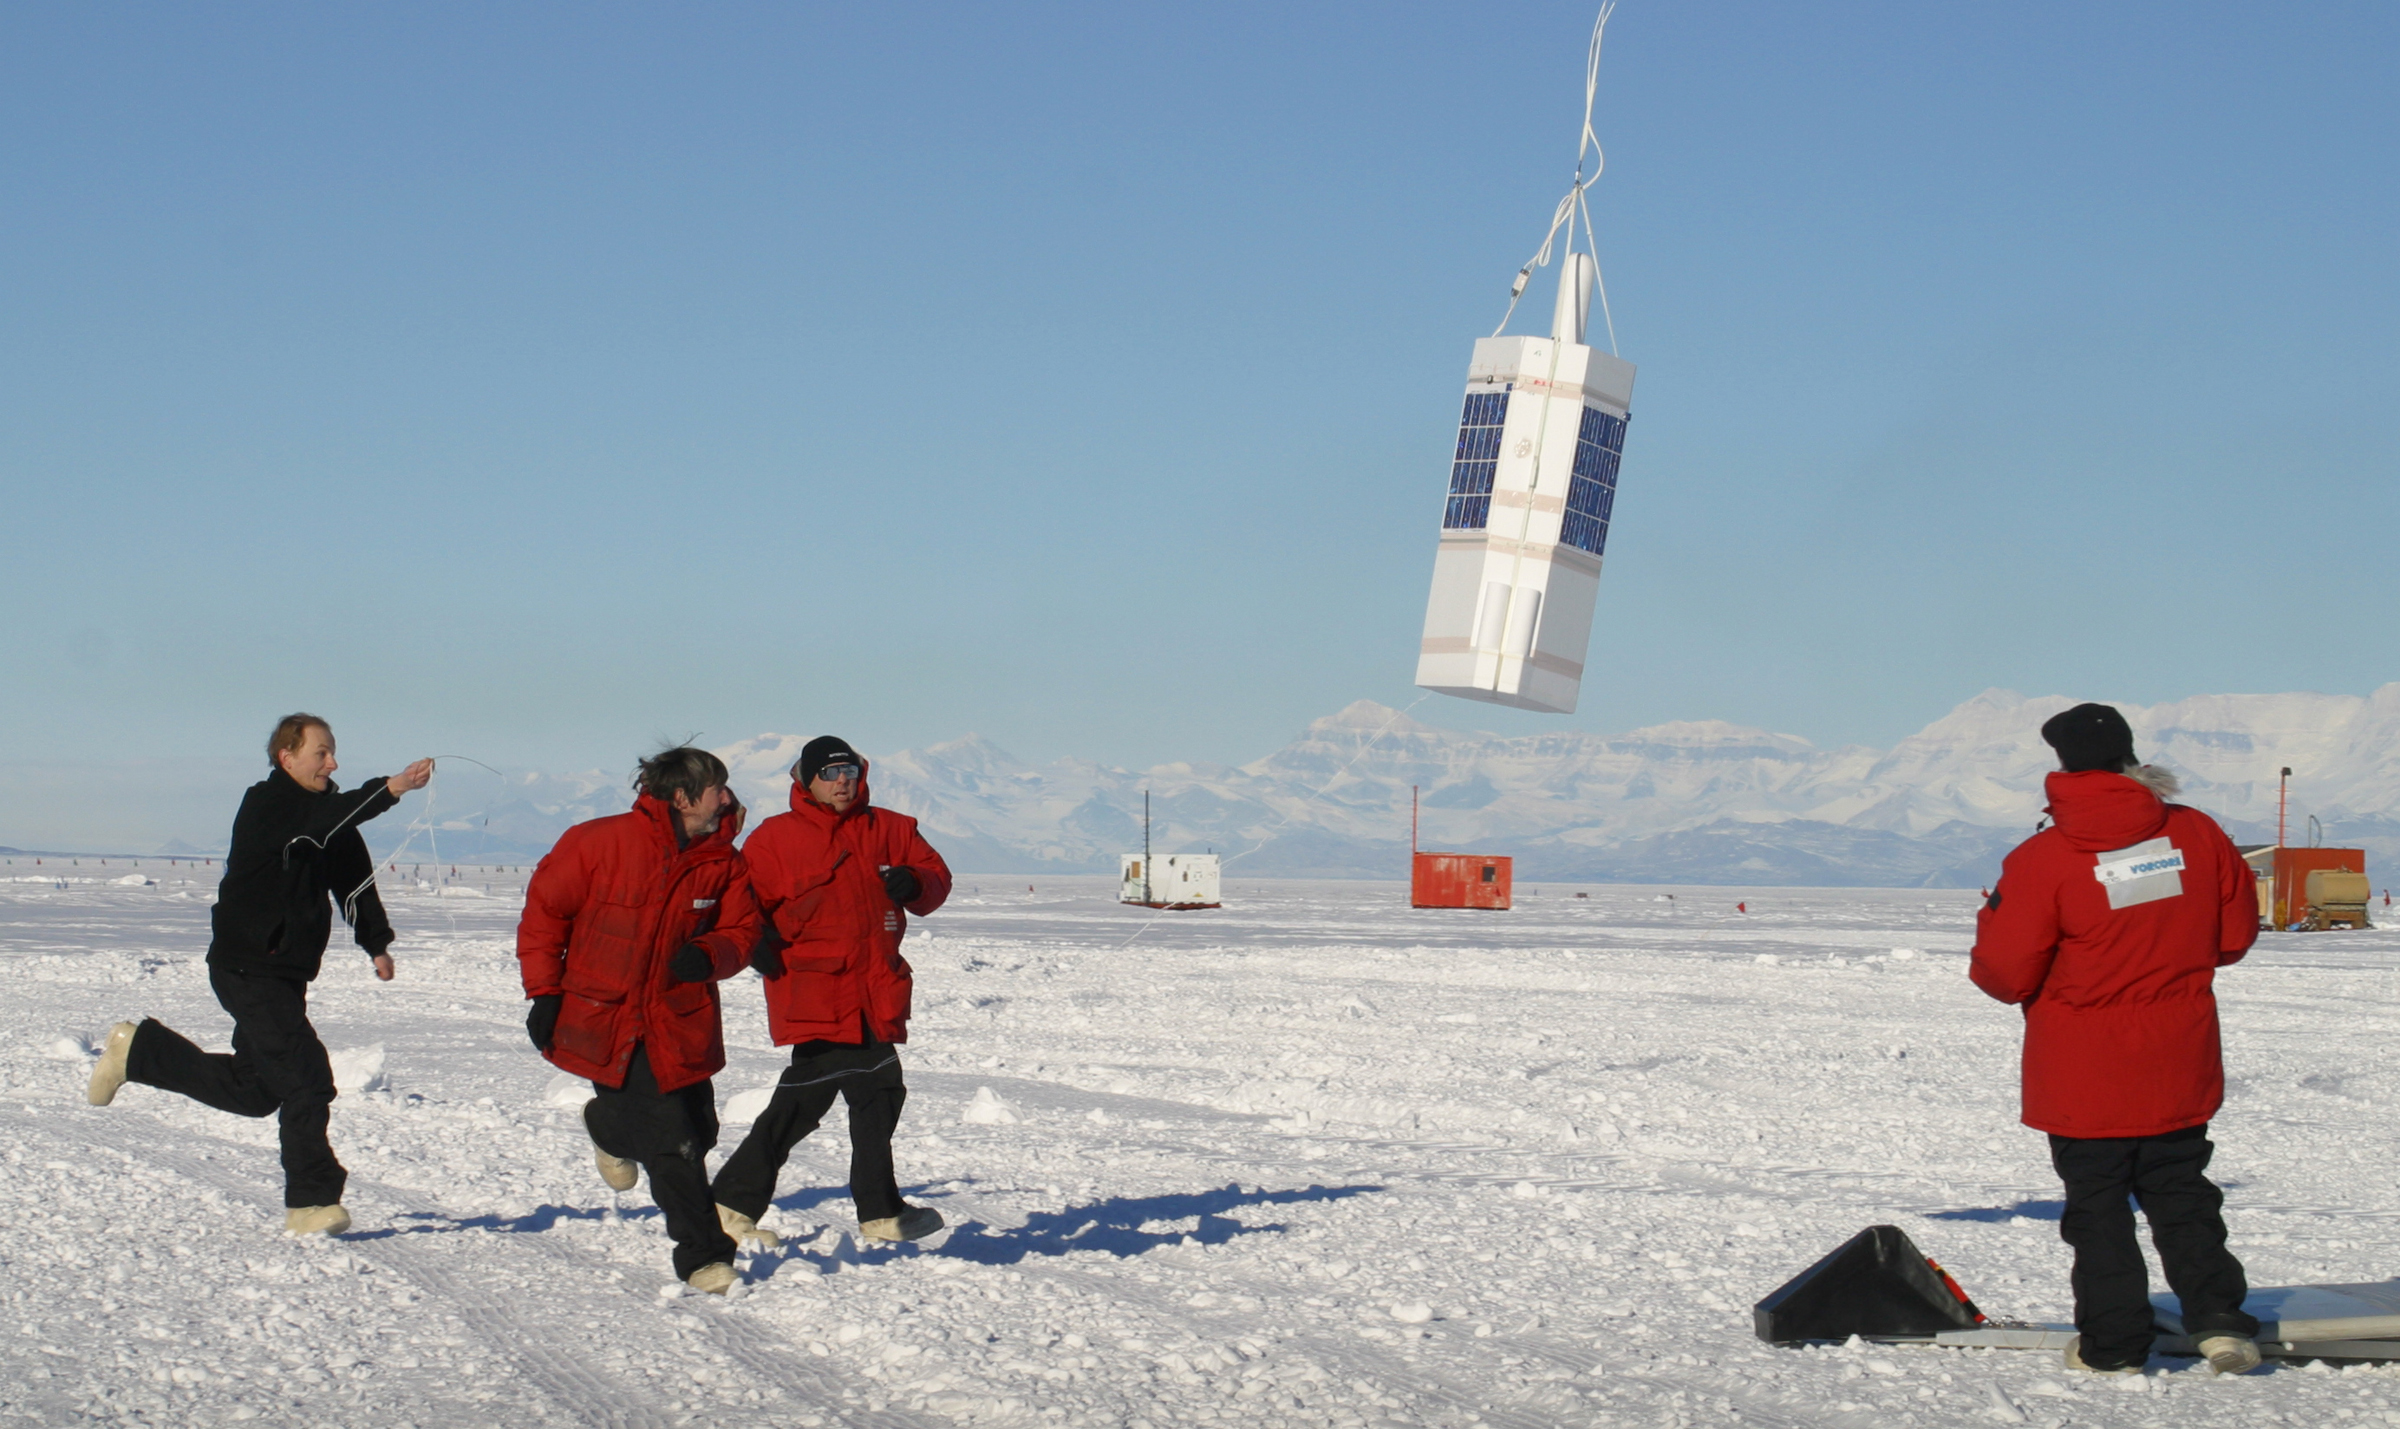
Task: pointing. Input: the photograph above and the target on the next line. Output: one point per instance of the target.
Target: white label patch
(2144, 873)
(711, 902)
(2125, 870)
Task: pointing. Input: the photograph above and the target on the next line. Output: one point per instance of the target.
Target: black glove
(900, 884)
(767, 957)
(541, 1019)
(691, 963)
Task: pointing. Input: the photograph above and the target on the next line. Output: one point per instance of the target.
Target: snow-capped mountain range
(1689, 802)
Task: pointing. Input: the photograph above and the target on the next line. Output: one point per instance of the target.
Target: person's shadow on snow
(535, 1221)
(2030, 1210)
(1116, 1226)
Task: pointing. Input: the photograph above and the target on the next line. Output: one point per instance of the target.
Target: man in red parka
(836, 879)
(630, 922)
(2108, 927)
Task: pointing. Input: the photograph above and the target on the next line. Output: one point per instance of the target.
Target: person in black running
(296, 851)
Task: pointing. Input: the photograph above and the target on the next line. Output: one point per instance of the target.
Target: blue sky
(535, 381)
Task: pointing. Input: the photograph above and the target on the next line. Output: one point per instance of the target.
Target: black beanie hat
(2090, 737)
(821, 751)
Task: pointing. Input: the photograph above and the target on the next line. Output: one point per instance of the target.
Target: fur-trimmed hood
(2161, 782)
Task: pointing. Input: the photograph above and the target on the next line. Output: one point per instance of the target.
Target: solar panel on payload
(1516, 575)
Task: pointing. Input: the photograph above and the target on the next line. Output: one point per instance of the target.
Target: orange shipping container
(1458, 880)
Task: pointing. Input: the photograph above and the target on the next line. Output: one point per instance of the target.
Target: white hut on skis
(1174, 880)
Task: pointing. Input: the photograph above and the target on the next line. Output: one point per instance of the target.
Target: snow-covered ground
(1312, 1159)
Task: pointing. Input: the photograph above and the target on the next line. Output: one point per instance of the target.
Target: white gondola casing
(1517, 574)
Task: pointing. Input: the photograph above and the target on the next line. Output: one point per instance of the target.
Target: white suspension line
(1540, 259)
(1592, 241)
(1587, 146)
(423, 823)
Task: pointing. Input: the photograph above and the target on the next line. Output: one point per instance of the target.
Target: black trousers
(2165, 1174)
(669, 1135)
(277, 1066)
(867, 1076)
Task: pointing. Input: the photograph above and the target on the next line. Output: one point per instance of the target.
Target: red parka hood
(2098, 811)
(809, 808)
(661, 817)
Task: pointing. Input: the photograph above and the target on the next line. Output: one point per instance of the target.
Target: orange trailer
(2283, 878)
(1458, 880)
(1454, 880)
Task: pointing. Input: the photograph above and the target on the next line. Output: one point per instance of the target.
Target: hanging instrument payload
(1517, 573)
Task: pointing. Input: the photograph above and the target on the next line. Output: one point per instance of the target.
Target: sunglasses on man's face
(839, 773)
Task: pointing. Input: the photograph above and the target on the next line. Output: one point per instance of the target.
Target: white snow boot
(618, 1173)
(316, 1220)
(746, 1231)
(108, 1073)
(2229, 1354)
(915, 1223)
(714, 1278)
(2075, 1361)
